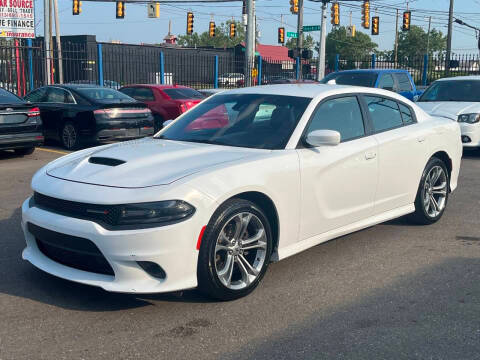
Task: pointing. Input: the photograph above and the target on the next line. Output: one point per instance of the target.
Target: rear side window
(36, 95)
(404, 83)
(6, 97)
(143, 94)
(384, 113)
(340, 114)
(386, 82)
(55, 95)
(128, 91)
(406, 114)
(183, 93)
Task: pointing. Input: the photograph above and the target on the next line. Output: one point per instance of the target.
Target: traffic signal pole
(449, 39)
(46, 38)
(250, 43)
(59, 42)
(300, 35)
(323, 40)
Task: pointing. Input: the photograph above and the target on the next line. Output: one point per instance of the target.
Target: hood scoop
(105, 161)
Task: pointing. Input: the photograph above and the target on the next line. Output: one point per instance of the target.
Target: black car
(80, 113)
(20, 124)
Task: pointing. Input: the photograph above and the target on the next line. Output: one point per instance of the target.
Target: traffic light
(294, 6)
(375, 25)
(211, 31)
(351, 31)
(233, 30)
(190, 23)
(77, 7)
(281, 35)
(406, 20)
(120, 9)
(366, 14)
(335, 14)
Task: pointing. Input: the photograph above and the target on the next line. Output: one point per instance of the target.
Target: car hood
(144, 163)
(449, 109)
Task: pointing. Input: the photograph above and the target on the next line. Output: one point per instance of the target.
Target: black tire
(421, 215)
(69, 136)
(25, 151)
(209, 282)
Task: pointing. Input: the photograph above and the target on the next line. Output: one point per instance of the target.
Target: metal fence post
(425, 70)
(259, 80)
(30, 64)
(162, 68)
(337, 62)
(215, 74)
(374, 61)
(297, 68)
(100, 64)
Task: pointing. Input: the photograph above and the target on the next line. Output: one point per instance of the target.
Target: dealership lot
(391, 291)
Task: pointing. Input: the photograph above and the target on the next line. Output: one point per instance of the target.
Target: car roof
(376, 71)
(78, 86)
(470, 77)
(307, 90)
(157, 86)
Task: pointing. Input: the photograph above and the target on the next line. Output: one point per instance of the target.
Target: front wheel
(235, 251)
(432, 194)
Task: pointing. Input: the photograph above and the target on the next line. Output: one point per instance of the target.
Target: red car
(166, 102)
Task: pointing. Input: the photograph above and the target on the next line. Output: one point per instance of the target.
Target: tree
(221, 40)
(413, 43)
(352, 49)
(308, 43)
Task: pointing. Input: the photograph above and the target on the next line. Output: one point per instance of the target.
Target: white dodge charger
(458, 99)
(247, 177)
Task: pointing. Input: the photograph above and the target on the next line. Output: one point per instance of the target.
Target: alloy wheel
(69, 136)
(435, 191)
(240, 251)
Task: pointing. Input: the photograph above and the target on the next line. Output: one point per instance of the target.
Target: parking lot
(393, 291)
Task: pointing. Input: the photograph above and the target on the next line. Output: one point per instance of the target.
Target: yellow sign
(254, 72)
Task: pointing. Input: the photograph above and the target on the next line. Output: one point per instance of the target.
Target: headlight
(154, 212)
(469, 118)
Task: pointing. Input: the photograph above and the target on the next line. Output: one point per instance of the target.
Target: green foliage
(308, 43)
(413, 43)
(221, 39)
(350, 48)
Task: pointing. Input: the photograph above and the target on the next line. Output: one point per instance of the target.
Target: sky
(98, 18)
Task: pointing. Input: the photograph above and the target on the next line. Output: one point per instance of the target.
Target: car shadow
(20, 278)
(9, 154)
(471, 153)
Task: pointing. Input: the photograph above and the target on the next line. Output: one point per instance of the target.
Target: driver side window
(341, 114)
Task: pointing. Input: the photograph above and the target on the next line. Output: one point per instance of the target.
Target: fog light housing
(466, 139)
(152, 269)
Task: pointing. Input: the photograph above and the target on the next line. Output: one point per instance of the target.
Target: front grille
(72, 251)
(105, 215)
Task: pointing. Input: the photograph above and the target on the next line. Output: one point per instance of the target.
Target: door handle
(370, 155)
(421, 139)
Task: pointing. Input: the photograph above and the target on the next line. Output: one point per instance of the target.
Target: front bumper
(470, 134)
(22, 140)
(172, 247)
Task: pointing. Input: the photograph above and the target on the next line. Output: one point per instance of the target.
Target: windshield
(183, 93)
(6, 97)
(104, 94)
(259, 121)
(453, 90)
(352, 78)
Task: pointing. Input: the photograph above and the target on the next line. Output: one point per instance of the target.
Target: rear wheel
(433, 192)
(235, 251)
(69, 136)
(25, 151)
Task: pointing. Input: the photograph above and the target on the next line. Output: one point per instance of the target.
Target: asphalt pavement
(392, 291)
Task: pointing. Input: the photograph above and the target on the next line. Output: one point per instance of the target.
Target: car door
(404, 85)
(338, 183)
(400, 143)
(57, 105)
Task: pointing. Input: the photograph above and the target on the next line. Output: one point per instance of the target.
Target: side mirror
(415, 98)
(168, 122)
(323, 137)
(331, 82)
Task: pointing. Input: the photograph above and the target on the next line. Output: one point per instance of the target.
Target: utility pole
(46, 37)
(250, 43)
(428, 34)
(396, 40)
(300, 34)
(323, 40)
(59, 42)
(449, 39)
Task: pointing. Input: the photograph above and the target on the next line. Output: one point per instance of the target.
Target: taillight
(33, 112)
(183, 108)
